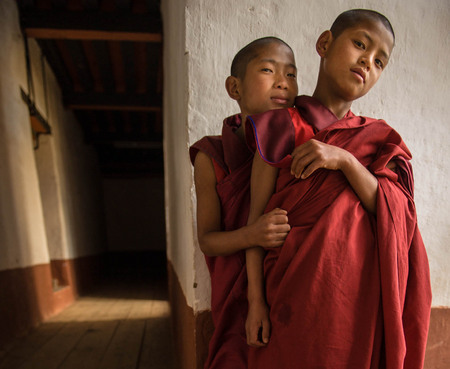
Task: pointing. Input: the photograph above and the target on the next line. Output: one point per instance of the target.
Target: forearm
(261, 187)
(363, 182)
(255, 274)
(221, 243)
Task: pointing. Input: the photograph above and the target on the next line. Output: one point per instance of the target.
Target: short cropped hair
(249, 52)
(353, 17)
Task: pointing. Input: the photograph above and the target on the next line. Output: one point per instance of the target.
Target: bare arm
(263, 181)
(214, 242)
(314, 154)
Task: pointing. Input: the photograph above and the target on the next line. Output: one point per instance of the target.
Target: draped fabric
(347, 290)
(232, 161)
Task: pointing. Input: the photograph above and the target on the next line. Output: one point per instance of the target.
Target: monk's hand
(257, 325)
(270, 229)
(313, 155)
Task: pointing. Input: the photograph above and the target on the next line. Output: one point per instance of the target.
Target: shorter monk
(263, 77)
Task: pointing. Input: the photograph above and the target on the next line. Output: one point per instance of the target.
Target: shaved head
(352, 18)
(249, 52)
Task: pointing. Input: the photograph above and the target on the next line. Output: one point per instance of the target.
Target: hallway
(124, 323)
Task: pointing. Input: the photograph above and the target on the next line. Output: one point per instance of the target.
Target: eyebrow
(275, 62)
(384, 53)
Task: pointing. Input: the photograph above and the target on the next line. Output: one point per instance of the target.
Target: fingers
(299, 163)
(313, 155)
(279, 219)
(276, 216)
(253, 335)
(265, 331)
(278, 211)
(276, 238)
(310, 169)
(276, 228)
(304, 156)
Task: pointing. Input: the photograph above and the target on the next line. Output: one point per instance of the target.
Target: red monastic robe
(232, 160)
(347, 290)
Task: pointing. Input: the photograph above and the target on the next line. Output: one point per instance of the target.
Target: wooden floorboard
(123, 350)
(122, 324)
(23, 348)
(89, 351)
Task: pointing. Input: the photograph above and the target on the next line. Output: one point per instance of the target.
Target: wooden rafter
(93, 25)
(71, 67)
(117, 66)
(93, 65)
(140, 55)
(70, 34)
(104, 101)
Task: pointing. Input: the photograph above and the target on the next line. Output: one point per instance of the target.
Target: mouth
(359, 74)
(280, 100)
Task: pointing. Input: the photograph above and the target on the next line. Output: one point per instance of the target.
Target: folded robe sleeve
(404, 270)
(276, 133)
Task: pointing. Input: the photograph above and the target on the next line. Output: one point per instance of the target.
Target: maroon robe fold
(232, 161)
(347, 290)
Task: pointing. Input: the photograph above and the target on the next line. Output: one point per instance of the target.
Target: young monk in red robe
(263, 77)
(350, 287)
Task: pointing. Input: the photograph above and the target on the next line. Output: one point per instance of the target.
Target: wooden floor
(123, 324)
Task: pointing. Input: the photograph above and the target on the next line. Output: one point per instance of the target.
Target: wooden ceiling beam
(71, 34)
(91, 25)
(121, 102)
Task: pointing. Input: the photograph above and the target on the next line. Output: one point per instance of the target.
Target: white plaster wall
(69, 179)
(50, 197)
(72, 212)
(178, 177)
(22, 232)
(202, 36)
(77, 174)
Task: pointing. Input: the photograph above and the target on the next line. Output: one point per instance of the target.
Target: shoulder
(210, 145)
(203, 168)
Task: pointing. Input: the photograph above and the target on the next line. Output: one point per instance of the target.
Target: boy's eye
(379, 63)
(292, 75)
(266, 70)
(360, 44)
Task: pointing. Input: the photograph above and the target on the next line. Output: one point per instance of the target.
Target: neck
(336, 106)
(240, 132)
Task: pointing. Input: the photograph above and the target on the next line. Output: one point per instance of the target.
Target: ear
(323, 43)
(232, 86)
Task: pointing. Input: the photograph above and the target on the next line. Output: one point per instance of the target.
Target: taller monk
(350, 287)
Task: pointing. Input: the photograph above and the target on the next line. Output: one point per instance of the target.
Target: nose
(366, 61)
(281, 81)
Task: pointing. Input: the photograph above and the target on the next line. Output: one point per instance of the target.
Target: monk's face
(353, 62)
(270, 80)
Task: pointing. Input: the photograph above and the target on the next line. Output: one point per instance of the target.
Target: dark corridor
(107, 58)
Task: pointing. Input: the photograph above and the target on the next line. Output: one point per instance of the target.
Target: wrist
(348, 162)
(256, 298)
(248, 236)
